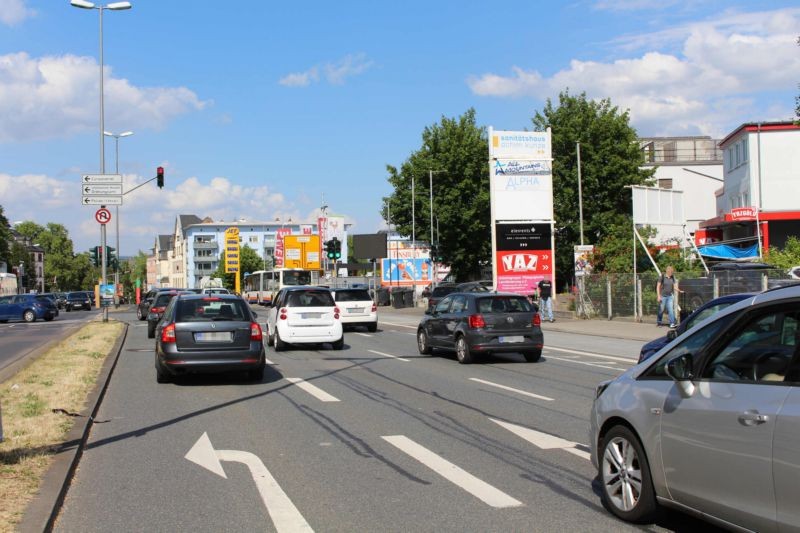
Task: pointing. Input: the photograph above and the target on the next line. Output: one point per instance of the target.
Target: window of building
(738, 155)
(665, 183)
(253, 238)
(730, 159)
(745, 156)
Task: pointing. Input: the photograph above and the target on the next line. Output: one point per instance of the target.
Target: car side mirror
(680, 369)
(672, 334)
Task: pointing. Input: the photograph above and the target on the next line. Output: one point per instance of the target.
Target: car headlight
(601, 388)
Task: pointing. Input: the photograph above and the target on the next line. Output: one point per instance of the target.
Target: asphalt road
(371, 438)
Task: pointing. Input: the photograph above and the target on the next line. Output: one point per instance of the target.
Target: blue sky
(257, 109)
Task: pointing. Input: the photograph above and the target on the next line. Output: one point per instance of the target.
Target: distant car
(205, 333)
(700, 314)
(478, 323)
(27, 307)
(472, 286)
(439, 292)
(157, 309)
(709, 426)
(78, 300)
(794, 272)
(214, 290)
(147, 301)
(304, 315)
(356, 308)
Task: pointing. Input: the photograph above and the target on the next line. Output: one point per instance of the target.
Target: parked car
(202, 333)
(27, 307)
(710, 425)
(700, 314)
(476, 323)
(356, 308)
(157, 309)
(304, 315)
(78, 300)
(439, 292)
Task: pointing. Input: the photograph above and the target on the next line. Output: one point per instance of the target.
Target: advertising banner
(583, 254)
(523, 256)
(406, 271)
(232, 250)
(280, 233)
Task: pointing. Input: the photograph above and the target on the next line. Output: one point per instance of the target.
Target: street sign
(101, 178)
(101, 190)
(103, 216)
(101, 200)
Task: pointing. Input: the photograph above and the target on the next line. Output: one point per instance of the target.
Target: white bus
(260, 286)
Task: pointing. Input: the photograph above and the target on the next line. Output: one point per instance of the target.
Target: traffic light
(160, 177)
(95, 257)
(328, 246)
(337, 248)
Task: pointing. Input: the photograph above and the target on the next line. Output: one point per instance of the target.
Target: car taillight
(336, 313)
(255, 332)
(537, 319)
(282, 313)
(374, 308)
(157, 309)
(476, 321)
(168, 333)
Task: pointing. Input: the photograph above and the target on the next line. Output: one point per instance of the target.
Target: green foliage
(249, 261)
(610, 161)
(5, 237)
(457, 151)
(18, 254)
(787, 257)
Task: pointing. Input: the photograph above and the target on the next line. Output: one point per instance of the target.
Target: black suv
(147, 301)
(78, 300)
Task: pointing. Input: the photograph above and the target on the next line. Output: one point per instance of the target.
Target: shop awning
(724, 251)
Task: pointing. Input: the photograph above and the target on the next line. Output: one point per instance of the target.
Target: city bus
(260, 286)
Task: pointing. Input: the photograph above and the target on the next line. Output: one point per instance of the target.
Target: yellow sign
(301, 251)
(232, 250)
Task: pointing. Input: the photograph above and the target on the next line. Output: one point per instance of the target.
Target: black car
(477, 323)
(700, 314)
(147, 301)
(439, 292)
(157, 309)
(208, 334)
(78, 300)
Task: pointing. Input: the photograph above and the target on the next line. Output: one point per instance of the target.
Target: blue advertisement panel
(406, 271)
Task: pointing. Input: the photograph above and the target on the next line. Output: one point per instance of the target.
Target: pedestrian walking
(546, 299)
(666, 288)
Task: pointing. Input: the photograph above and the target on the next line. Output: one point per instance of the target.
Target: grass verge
(60, 379)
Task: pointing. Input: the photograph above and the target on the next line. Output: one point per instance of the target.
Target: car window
(705, 313)
(459, 304)
(442, 291)
(310, 299)
(163, 299)
(45, 299)
(352, 295)
(5, 299)
(760, 351)
(211, 309)
(503, 304)
(444, 305)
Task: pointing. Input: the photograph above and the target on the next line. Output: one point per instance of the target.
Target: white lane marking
(398, 325)
(554, 358)
(268, 361)
(590, 354)
(543, 440)
(285, 516)
(313, 390)
(524, 393)
(452, 473)
(389, 355)
(363, 334)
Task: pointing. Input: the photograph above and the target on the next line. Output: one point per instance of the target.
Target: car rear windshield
(310, 299)
(442, 291)
(44, 299)
(210, 309)
(353, 295)
(504, 304)
(163, 299)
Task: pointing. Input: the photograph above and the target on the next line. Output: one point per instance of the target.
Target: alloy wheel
(622, 474)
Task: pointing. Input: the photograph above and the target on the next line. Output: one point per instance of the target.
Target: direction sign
(101, 190)
(103, 216)
(101, 178)
(101, 200)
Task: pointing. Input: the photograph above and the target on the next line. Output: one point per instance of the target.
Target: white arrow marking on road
(389, 355)
(480, 489)
(524, 393)
(284, 514)
(313, 390)
(543, 440)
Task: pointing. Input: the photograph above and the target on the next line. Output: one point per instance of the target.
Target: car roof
(306, 288)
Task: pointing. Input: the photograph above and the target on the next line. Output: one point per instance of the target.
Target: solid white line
(524, 393)
(590, 354)
(389, 355)
(398, 325)
(480, 489)
(284, 514)
(313, 390)
(583, 363)
(541, 440)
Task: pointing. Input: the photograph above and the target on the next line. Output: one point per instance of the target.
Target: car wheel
(422, 342)
(338, 345)
(372, 328)
(279, 344)
(3, 321)
(29, 316)
(139, 314)
(533, 355)
(256, 374)
(68, 308)
(463, 352)
(151, 331)
(161, 375)
(270, 337)
(627, 488)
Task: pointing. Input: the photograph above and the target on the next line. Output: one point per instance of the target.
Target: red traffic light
(160, 177)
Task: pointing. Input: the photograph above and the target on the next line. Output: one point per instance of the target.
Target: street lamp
(116, 207)
(114, 6)
(430, 187)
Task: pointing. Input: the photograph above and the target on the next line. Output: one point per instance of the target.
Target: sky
(265, 110)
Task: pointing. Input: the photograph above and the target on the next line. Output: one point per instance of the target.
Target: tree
(457, 150)
(249, 261)
(787, 257)
(18, 254)
(61, 271)
(610, 161)
(5, 237)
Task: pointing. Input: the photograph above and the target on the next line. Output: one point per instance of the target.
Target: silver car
(711, 423)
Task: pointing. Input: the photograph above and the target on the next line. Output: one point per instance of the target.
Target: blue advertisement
(106, 294)
(406, 271)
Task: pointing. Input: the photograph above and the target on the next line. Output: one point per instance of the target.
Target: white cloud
(56, 96)
(713, 83)
(12, 12)
(334, 73)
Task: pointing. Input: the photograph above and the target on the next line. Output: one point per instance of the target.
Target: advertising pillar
(232, 256)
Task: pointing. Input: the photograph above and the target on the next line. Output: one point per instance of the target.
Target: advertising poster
(583, 254)
(406, 271)
(280, 233)
(523, 256)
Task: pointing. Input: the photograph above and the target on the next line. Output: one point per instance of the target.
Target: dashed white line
(590, 354)
(313, 390)
(544, 441)
(583, 363)
(389, 355)
(524, 393)
(363, 334)
(398, 325)
(452, 473)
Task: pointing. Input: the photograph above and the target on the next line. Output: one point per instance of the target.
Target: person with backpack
(545, 287)
(666, 288)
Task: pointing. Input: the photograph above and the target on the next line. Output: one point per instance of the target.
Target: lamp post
(580, 191)
(116, 207)
(114, 6)
(430, 187)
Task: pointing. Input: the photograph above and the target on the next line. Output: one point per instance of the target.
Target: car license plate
(310, 315)
(212, 336)
(513, 338)
(356, 309)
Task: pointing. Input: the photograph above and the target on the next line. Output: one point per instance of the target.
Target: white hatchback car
(357, 308)
(304, 315)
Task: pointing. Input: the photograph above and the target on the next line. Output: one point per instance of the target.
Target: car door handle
(753, 418)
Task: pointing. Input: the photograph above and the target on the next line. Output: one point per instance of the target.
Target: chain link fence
(625, 295)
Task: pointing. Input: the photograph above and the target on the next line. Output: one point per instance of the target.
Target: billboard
(406, 271)
(370, 246)
(301, 251)
(654, 206)
(523, 256)
(232, 250)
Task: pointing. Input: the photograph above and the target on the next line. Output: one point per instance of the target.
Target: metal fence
(623, 295)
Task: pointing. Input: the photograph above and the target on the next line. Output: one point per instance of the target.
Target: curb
(41, 513)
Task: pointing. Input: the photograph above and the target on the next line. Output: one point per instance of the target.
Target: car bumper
(494, 343)
(183, 362)
(310, 334)
(371, 318)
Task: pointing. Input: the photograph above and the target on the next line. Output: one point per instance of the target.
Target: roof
(164, 242)
(188, 220)
(751, 127)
